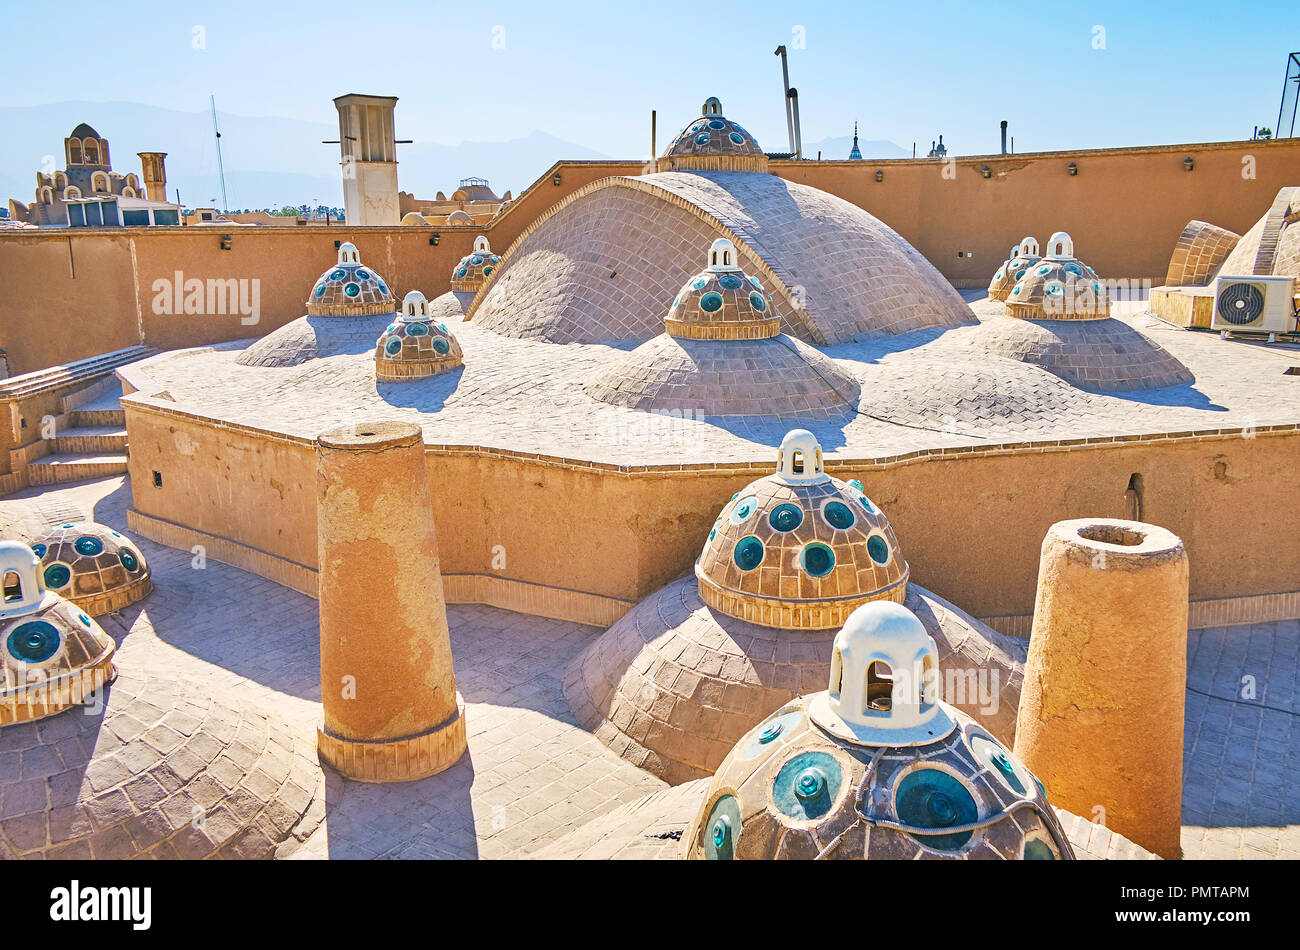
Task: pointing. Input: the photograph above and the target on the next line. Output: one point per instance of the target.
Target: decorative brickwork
(1094, 355)
(1200, 251)
(599, 265)
(414, 345)
(349, 289)
(673, 685)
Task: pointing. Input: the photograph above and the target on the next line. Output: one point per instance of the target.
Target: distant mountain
(269, 161)
(838, 148)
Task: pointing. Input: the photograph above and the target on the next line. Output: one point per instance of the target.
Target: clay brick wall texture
(1201, 248)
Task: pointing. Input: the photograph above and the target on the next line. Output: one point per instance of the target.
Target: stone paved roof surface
(925, 390)
(532, 777)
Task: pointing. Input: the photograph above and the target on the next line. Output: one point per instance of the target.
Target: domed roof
(349, 289)
(459, 217)
(799, 549)
(593, 268)
(713, 141)
(52, 655)
(875, 767)
(83, 131)
(1015, 267)
(1103, 355)
(722, 302)
(475, 267)
(1059, 287)
(723, 355)
(415, 346)
(93, 566)
(165, 766)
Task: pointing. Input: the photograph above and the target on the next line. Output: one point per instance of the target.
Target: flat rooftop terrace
(923, 392)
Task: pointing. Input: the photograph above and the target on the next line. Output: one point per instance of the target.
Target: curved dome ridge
(547, 289)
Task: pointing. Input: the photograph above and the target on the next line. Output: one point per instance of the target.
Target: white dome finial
(712, 106)
(348, 255)
(415, 306)
(1029, 246)
(23, 586)
(884, 684)
(799, 460)
(481, 245)
(722, 255)
(1060, 247)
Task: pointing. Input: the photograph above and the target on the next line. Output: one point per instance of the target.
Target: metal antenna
(785, 94)
(1292, 61)
(221, 171)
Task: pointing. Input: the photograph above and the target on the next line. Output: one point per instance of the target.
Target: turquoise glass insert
(749, 553)
(34, 642)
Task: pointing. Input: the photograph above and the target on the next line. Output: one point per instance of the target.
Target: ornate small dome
(93, 566)
(875, 767)
(52, 655)
(722, 302)
(415, 345)
(474, 267)
(713, 142)
(799, 549)
(1059, 287)
(723, 354)
(1023, 255)
(349, 289)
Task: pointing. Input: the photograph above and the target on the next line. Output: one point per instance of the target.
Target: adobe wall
(1125, 209)
(79, 294)
(970, 523)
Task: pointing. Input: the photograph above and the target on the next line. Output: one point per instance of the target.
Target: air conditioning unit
(1254, 305)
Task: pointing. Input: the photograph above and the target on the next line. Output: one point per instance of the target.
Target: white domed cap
(415, 306)
(799, 460)
(722, 256)
(712, 106)
(348, 255)
(481, 245)
(1029, 246)
(884, 686)
(1060, 247)
(23, 588)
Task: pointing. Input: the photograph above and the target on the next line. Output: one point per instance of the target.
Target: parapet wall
(970, 521)
(73, 294)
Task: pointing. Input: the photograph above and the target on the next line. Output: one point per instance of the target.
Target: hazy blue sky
(591, 72)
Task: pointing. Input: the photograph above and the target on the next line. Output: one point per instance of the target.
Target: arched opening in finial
(13, 587)
(712, 106)
(879, 687)
(722, 255)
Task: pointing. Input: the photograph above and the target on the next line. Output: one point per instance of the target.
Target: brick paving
(225, 640)
(928, 389)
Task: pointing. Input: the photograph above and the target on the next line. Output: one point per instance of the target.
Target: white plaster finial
(884, 684)
(722, 255)
(799, 460)
(348, 255)
(415, 306)
(23, 585)
(1060, 247)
